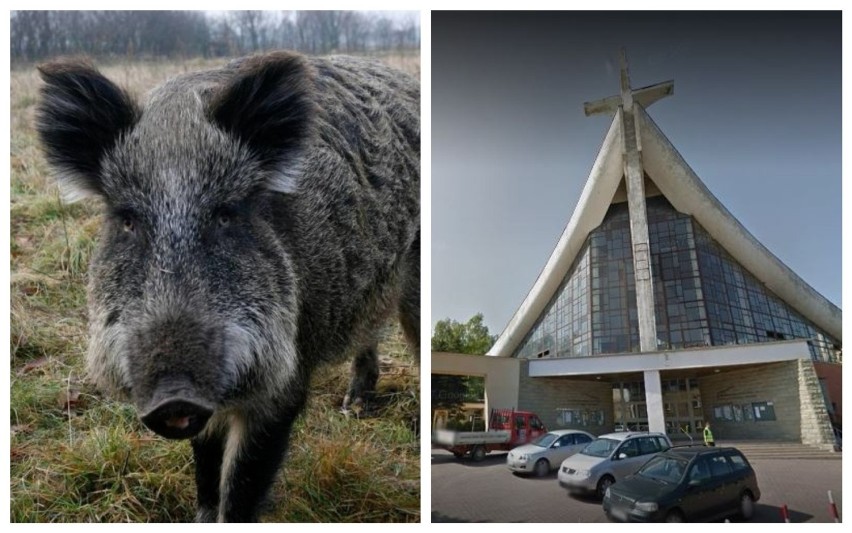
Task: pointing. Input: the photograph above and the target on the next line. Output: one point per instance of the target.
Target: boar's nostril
(181, 422)
(178, 418)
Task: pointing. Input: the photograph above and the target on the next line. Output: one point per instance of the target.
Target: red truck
(507, 429)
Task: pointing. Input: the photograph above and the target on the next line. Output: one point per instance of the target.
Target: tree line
(37, 35)
(471, 337)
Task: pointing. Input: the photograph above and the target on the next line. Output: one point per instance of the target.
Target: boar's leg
(365, 374)
(409, 303)
(365, 366)
(207, 449)
(254, 450)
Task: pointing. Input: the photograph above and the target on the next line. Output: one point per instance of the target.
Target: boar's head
(192, 295)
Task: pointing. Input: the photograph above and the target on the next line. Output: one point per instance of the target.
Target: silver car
(547, 452)
(609, 458)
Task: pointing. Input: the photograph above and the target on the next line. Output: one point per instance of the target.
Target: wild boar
(259, 220)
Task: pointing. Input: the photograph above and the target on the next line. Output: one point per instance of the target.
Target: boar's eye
(224, 216)
(126, 220)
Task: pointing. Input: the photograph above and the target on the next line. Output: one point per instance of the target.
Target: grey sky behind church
(756, 112)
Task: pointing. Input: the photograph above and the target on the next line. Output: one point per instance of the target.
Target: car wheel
(674, 517)
(604, 484)
(542, 468)
(478, 453)
(747, 505)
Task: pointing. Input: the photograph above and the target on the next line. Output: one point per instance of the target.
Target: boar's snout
(177, 414)
(177, 373)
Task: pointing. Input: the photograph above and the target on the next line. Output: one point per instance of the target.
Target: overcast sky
(756, 112)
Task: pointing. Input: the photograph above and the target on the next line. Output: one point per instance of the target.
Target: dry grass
(79, 457)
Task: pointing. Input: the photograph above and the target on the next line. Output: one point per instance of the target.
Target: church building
(659, 311)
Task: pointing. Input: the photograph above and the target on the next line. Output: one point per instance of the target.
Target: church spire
(626, 90)
(634, 178)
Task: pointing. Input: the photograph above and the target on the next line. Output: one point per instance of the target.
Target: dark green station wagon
(689, 483)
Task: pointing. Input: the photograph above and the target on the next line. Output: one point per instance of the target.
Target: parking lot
(464, 491)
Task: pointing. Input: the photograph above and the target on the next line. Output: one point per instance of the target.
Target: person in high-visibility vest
(708, 435)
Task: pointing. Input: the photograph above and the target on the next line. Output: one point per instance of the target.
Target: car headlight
(648, 507)
(583, 473)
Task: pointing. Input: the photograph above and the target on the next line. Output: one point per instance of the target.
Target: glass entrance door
(681, 407)
(630, 409)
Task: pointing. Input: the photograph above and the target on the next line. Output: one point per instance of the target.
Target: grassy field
(77, 456)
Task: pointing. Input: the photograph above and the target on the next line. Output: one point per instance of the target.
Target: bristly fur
(261, 219)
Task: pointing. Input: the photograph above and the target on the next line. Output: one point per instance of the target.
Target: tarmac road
(464, 491)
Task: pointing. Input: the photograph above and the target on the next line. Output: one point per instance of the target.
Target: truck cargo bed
(446, 437)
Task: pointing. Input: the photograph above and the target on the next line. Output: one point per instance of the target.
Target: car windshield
(600, 447)
(545, 440)
(666, 469)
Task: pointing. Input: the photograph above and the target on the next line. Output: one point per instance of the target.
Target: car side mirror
(694, 483)
(622, 455)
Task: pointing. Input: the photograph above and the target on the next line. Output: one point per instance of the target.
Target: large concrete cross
(644, 96)
(631, 146)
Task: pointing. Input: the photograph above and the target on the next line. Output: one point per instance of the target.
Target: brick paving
(464, 491)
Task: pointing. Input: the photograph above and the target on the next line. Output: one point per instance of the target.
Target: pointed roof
(688, 194)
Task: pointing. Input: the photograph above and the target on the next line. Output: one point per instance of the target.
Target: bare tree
(319, 31)
(247, 25)
(383, 34)
(36, 35)
(355, 30)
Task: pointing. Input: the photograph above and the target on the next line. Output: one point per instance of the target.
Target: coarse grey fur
(261, 219)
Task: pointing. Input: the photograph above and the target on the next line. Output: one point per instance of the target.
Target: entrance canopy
(768, 352)
(502, 376)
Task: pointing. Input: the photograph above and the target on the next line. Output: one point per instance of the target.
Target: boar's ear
(80, 117)
(268, 107)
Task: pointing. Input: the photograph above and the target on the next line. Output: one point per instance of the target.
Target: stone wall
(551, 397)
(832, 373)
(774, 382)
(816, 426)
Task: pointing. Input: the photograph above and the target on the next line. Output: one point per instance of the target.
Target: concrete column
(501, 388)
(634, 177)
(490, 390)
(654, 401)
